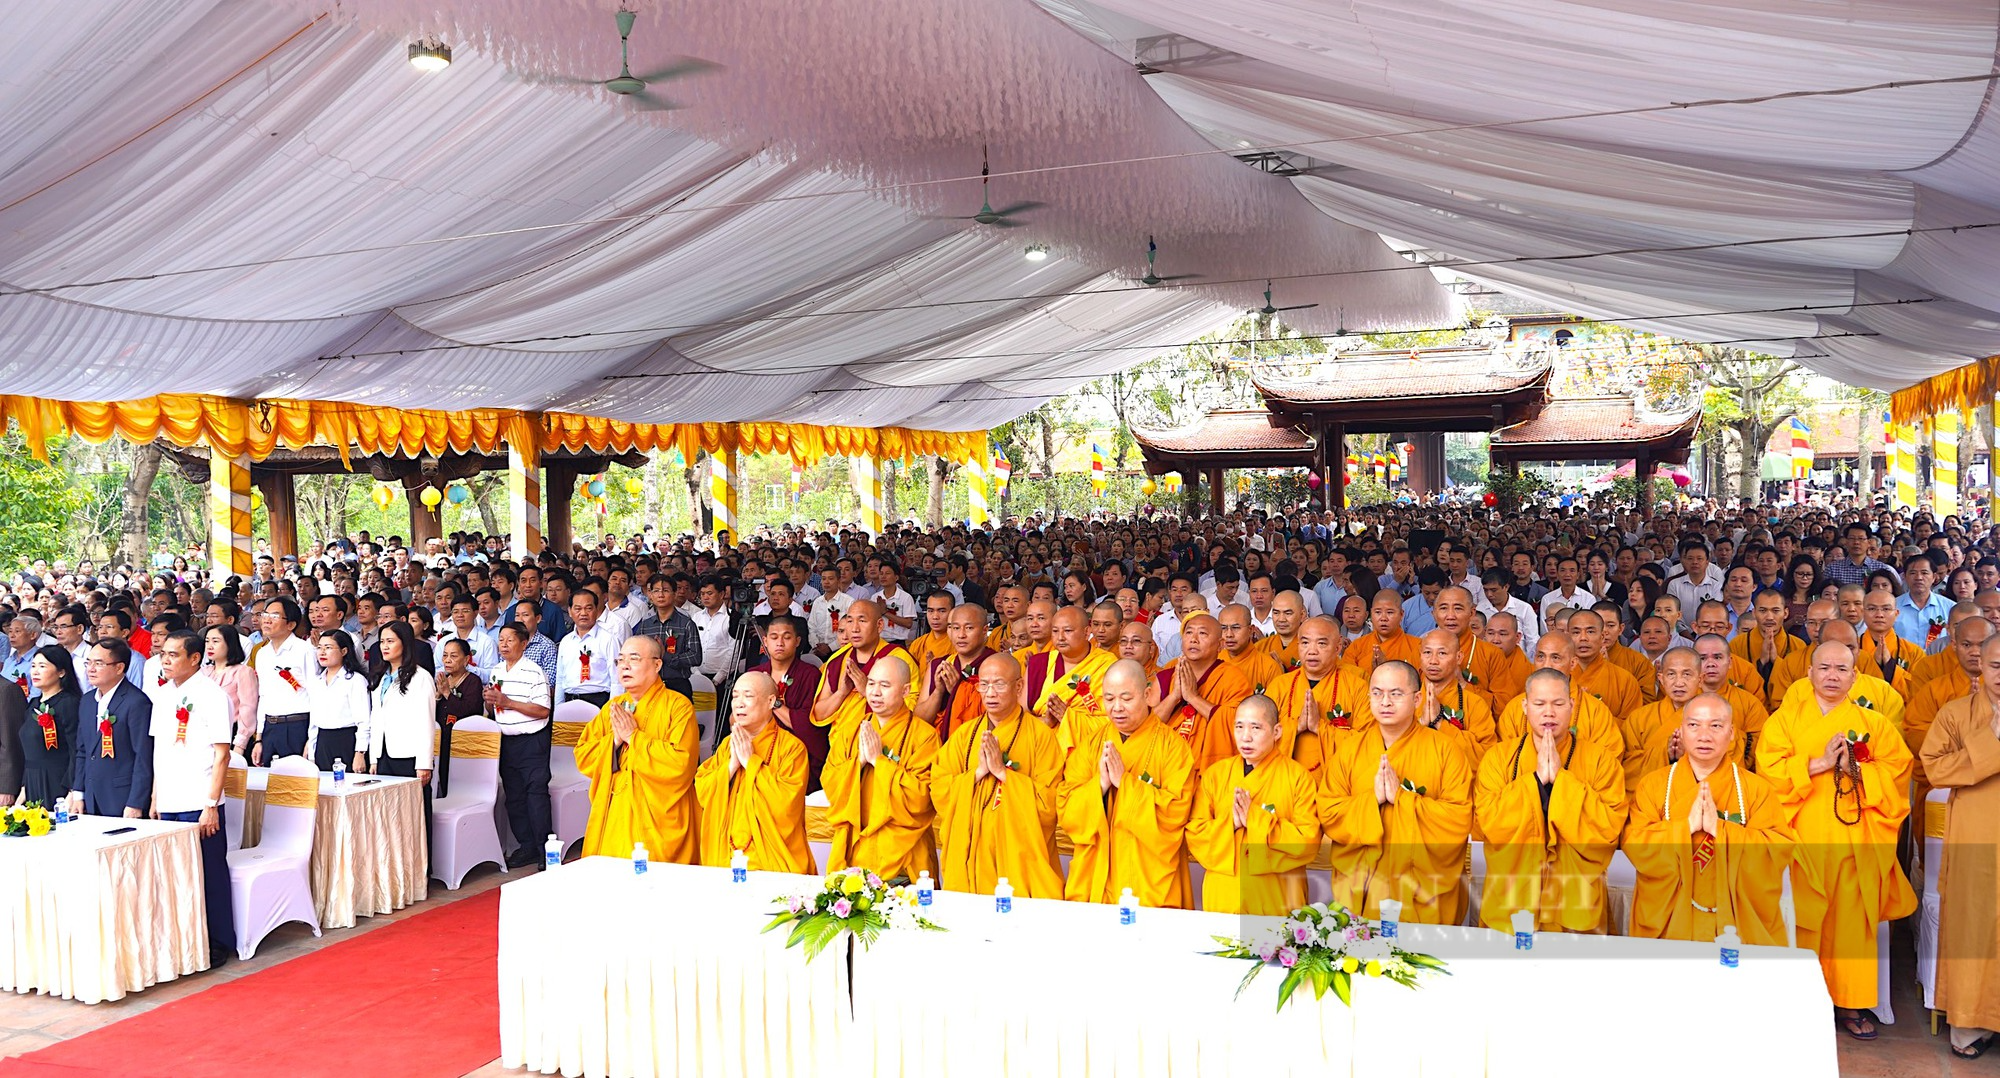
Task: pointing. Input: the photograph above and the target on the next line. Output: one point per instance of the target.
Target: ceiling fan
(987, 215)
(1267, 310)
(1151, 278)
(636, 88)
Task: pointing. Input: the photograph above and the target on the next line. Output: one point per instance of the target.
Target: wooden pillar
(1215, 492)
(1335, 441)
(425, 523)
(229, 544)
(1644, 468)
(558, 490)
(1190, 493)
(281, 509)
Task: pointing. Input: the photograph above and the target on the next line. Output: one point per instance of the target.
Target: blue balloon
(459, 493)
(597, 488)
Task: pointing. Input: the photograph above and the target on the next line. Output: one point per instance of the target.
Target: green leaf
(1256, 967)
(1343, 986)
(1322, 977)
(1290, 985)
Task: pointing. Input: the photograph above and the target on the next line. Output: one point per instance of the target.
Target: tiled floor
(1904, 1050)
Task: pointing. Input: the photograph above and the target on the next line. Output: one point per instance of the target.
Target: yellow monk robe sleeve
(1083, 810)
(649, 797)
(905, 782)
(1439, 819)
(1783, 762)
(1027, 814)
(1212, 837)
(1217, 734)
(1885, 778)
(953, 792)
(1658, 848)
(840, 776)
(1756, 854)
(1149, 828)
(1588, 810)
(1349, 815)
(1509, 809)
(1960, 749)
(1281, 832)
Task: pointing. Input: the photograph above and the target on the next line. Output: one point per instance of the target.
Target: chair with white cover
(569, 790)
(1621, 878)
(270, 884)
(704, 714)
(235, 787)
(818, 838)
(1931, 904)
(464, 832)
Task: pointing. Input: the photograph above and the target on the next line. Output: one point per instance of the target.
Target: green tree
(41, 498)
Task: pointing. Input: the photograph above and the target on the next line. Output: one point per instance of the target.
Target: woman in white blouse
(339, 702)
(404, 717)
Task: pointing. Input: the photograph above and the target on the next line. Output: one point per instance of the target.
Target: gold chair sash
(1934, 816)
(235, 783)
(292, 791)
(704, 701)
(817, 829)
(567, 734)
(475, 745)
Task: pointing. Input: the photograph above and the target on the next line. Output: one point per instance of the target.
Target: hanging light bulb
(430, 55)
(1037, 252)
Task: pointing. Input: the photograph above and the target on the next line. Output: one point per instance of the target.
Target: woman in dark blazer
(48, 736)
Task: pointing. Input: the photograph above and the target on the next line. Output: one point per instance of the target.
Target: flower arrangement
(851, 900)
(29, 820)
(1325, 946)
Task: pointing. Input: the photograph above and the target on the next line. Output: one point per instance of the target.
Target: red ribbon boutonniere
(1080, 686)
(22, 681)
(673, 644)
(1453, 716)
(181, 716)
(285, 673)
(1338, 718)
(160, 680)
(583, 664)
(1857, 745)
(104, 739)
(48, 724)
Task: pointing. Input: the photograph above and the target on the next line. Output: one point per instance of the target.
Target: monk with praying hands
(994, 785)
(639, 754)
(1961, 753)
(1842, 774)
(1199, 692)
(878, 784)
(1124, 802)
(1255, 821)
(1396, 804)
(1708, 838)
(752, 792)
(1551, 804)
(1324, 702)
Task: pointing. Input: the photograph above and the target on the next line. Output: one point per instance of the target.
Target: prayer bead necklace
(1667, 803)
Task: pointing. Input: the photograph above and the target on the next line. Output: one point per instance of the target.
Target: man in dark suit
(120, 783)
(13, 709)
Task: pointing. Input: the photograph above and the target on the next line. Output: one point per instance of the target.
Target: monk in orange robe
(1792, 668)
(1199, 692)
(1842, 772)
(1386, 638)
(1713, 664)
(951, 686)
(1396, 805)
(994, 785)
(1708, 839)
(1323, 702)
(1447, 704)
(639, 754)
(1962, 754)
(1127, 790)
(1968, 639)
(1135, 642)
(1239, 649)
(1713, 617)
(1033, 636)
(1008, 601)
(1062, 683)
(1480, 664)
(1883, 653)
(1592, 721)
(752, 792)
(1288, 612)
(878, 787)
(1941, 662)
(1866, 691)
(1255, 822)
(1510, 672)
(1551, 804)
(839, 704)
(1766, 643)
(1598, 675)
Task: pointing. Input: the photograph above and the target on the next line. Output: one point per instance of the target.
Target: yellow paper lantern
(634, 486)
(430, 497)
(382, 496)
(1148, 487)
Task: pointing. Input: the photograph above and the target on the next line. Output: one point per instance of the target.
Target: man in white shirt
(823, 622)
(283, 664)
(711, 623)
(518, 696)
(464, 625)
(1496, 597)
(585, 659)
(1566, 592)
(1262, 592)
(190, 728)
(1700, 580)
(899, 607)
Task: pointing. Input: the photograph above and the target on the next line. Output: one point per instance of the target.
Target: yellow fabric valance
(257, 427)
(1962, 390)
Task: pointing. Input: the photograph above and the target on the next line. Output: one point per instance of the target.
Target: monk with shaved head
(1480, 664)
(1199, 692)
(1449, 704)
(751, 795)
(951, 696)
(1288, 612)
(1060, 686)
(878, 786)
(994, 785)
(840, 704)
(1324, 701)
(1385, 639)
(1556, 650)
(639, 753)
(1126, 793)
(1255, 822)
(1239, 648)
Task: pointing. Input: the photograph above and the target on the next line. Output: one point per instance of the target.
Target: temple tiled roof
(1594, 420)
(1247, 431)
(1399, 379)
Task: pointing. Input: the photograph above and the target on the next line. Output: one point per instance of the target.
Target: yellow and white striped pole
(975, 486)
(1906, 466)
(722, 483)
(871, 495)
(1944, 464)
(524, 500)
(229, 540)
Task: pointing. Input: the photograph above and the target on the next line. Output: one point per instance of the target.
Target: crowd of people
(1731, 696)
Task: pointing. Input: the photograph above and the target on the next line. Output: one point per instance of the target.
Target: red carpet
(417, 999)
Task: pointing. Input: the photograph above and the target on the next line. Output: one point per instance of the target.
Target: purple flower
(874, 881)
(1301, 934)
(796, 904)
(1287, 957)
(1268, 954)
(842, 908)
(1350, 934)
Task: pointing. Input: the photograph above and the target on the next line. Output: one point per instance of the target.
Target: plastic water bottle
(639, 859)
(1524, 930)
(62, 811)
(1003, 897)
(1392, 918)
(339, 775)
(552, 852)
(1128, 908)
(1732, 947)
(925, 888)
(739, 867)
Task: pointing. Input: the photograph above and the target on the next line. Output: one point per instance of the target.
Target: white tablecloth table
(368, 844)
(604, 975)
(91, 916)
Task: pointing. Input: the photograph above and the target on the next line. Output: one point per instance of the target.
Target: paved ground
(1905, 1050)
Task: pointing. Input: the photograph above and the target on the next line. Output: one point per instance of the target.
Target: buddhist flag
(1097, 469)
(1002, 468)
(1802, 450)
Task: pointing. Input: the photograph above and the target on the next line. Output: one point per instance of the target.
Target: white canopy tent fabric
(253, 199)
(1494, 131)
